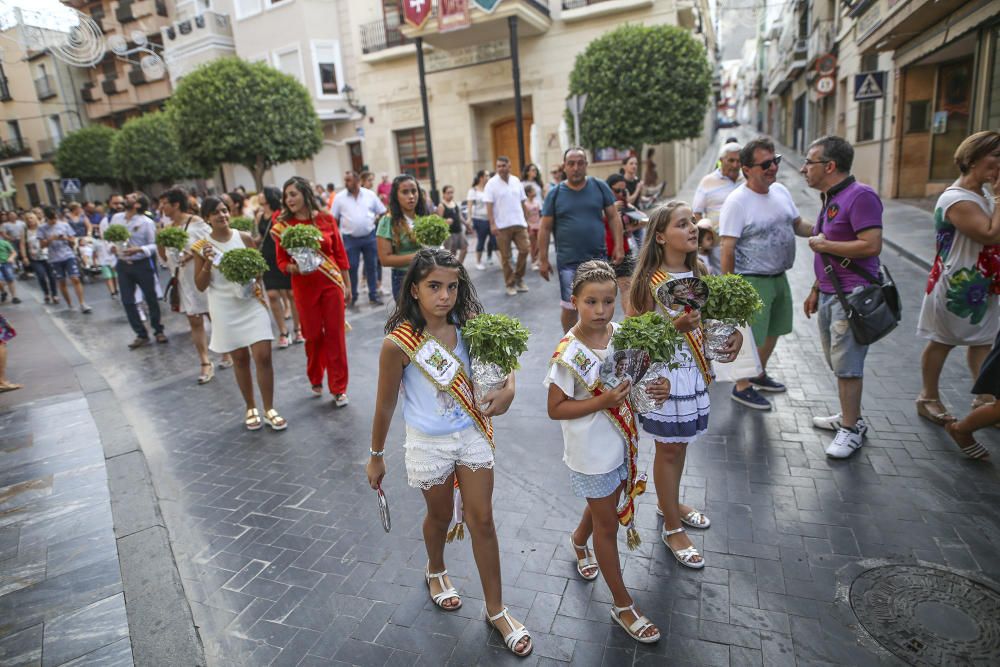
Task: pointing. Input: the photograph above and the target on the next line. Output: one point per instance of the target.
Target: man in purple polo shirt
(849, 226)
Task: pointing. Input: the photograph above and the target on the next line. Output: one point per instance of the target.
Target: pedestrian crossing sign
(869, 86)
(70, 186)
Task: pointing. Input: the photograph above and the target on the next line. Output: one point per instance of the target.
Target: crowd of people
(607, 254)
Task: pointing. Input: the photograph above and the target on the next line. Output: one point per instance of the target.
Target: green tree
(86, 154)
(644, 85)
(245, 113)
(146, 151)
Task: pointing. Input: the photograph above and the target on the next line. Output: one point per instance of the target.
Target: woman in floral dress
(961, 307)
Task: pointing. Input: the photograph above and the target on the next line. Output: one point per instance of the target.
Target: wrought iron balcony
(13, 148)
(379, 35)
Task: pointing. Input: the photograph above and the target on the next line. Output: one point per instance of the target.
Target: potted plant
(243, 266)
(649, 336)
(495, 342)
(174, 239)
(118, 235)
(302, 243)
(431, 230)
(732, 302)
(241, 223)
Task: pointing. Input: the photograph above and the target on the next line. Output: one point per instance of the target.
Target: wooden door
(357, 157)
(505, 142)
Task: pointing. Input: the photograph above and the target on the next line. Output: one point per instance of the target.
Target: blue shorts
(597, 486)
(67, 268)
(7, 272)
(844, 354)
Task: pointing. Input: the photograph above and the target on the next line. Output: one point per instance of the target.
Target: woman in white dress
(194, 303)
(241, 326)
(960, 306)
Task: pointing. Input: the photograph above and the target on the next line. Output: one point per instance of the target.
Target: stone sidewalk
(284, 562)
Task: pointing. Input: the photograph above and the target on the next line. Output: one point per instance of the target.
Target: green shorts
(108, 272)
(776, 317)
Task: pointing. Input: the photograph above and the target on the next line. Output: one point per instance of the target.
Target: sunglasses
(766, 164)
(619, 191)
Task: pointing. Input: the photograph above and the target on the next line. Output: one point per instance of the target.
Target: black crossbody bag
(874, 311)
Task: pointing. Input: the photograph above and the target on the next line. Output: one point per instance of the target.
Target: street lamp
(352, 101)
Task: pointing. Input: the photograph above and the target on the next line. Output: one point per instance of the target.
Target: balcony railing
(47, 147)
(87, 92)
(378, 36)
(44, 87)
(576, 4)
(133, 10)
(13, 148)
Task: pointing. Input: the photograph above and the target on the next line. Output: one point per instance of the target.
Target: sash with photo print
(695, 338)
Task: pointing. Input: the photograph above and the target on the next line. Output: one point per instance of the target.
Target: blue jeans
(356, 247)
(397, 283)
(46, 279)
(139, 273)
(483, 235)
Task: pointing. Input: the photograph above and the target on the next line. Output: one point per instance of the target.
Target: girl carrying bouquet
(447, 435)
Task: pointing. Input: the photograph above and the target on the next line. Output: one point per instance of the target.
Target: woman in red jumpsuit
(320, 296)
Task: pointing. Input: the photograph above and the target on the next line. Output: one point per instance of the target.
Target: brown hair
(593, 271)
(975, 147)
(651, 256)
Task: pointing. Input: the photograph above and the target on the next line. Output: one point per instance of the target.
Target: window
(412, 148)
(33, 199)
(326, 56)
(918, 116)
(866, 120)
(55, 129)
(245, 8)
(289, 61)
(14, 132)
(869, 62)
(4, 89)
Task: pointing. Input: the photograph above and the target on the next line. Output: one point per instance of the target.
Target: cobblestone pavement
(285, 563)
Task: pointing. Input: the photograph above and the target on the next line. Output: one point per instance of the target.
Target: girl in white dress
(240, 326)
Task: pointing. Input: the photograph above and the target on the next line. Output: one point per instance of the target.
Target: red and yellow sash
(328, 268)
(584, 365)
(695, 338)
(444, 371)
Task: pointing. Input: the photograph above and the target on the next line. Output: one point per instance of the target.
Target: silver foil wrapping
(174, 255)
(641, 400)
(486, 377)
(247, 289)
(307, 259)
(717, 333)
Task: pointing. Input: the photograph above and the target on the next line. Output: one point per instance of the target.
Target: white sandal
(685, 556)
(637, 627)
(446, 593)
(693, 519)
(586, 562)
(516, 634)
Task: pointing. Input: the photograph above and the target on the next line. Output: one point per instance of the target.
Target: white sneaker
(84, 308)
(845, 443)
(521, 287)
(340, 400)
(481, 266)
(835, 423)
(511, 291)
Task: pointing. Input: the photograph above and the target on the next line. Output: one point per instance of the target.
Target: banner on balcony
(486, 5)
(453, 15)
(416, 12)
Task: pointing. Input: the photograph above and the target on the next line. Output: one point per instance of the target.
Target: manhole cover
(928, 616)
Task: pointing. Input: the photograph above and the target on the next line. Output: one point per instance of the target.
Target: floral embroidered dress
(961, 306)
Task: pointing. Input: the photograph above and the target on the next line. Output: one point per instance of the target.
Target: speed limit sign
(825, 85)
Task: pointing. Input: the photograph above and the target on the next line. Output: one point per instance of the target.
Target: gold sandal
(252, 420)
(274, 420)
(940, 418)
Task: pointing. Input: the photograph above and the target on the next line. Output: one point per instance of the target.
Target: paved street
(284, 562)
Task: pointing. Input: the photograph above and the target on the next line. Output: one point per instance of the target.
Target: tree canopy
(86, 154)
(230, 110)
(146, 151)
(644, 85)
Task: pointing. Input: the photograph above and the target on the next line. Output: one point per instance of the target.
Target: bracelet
(376, 454)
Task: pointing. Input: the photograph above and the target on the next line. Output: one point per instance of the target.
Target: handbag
(873, 311)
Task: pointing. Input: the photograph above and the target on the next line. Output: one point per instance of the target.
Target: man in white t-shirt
(357, 210)
(504, 197)
(757, 225)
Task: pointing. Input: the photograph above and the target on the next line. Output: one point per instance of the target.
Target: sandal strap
(588, 558)
(687, 554)
(515, 635)
(446, 592)
(674, 531)
(694, 516)
(273, 415)
(976, 451)
(639, 625)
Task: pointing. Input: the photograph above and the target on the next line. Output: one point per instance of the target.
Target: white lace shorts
(431, 459)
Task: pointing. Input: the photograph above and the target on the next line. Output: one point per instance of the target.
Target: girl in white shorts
(424, 359)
